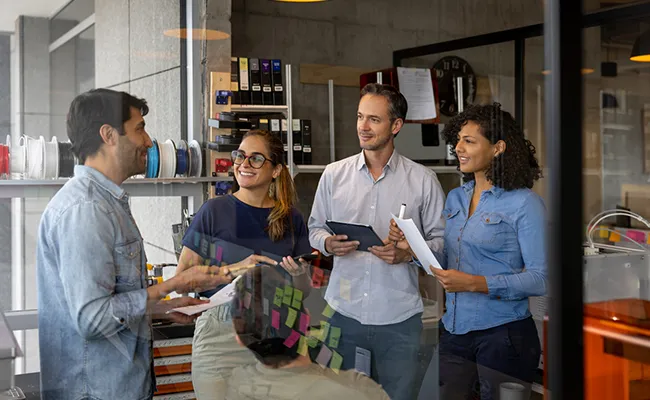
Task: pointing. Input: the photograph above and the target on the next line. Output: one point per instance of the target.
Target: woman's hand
(249, 262)
(396, 236)
(456, 281)
(295, 268)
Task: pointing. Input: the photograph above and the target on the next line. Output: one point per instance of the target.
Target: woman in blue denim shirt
(494, 258)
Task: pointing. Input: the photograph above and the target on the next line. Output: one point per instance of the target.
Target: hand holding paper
(417, 243)
(221, 297)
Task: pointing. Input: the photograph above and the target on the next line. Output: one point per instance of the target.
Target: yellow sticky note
(302, 346)
(337, 361)
(312, 342)
(603, 233)
(277, 300)
(297, 299)
(291, 318)
(325, 326)
(335, 335)
(288, 294)
(615, 237)
(328, 312)
(345, 289)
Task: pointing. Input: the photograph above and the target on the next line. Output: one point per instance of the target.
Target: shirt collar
(393, 161)
(469, 189)
(101, 179)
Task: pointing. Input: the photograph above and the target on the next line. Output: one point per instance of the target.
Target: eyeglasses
(254, 160)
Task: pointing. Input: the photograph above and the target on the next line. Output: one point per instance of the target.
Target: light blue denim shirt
(94, 331)
(505, 241)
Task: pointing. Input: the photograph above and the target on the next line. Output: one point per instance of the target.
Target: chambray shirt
(94, 332)
(505, 241)
(362, 286)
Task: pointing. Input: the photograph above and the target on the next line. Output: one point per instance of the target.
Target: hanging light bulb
(641, 48)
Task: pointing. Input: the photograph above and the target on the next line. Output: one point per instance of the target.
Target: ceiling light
(641, 48)
(584, 71)
(197, 34)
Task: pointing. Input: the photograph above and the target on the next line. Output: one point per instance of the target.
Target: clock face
(448, 70)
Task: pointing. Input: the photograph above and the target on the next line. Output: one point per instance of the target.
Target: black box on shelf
(297, 142)
(263, 124)
(234, 80)
(305, 129)
(275, 127)
(276, 77)
(284, 129)
(256, 81)
(244, 87)
(267, 86)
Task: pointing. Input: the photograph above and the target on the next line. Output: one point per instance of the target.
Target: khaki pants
(215, 353)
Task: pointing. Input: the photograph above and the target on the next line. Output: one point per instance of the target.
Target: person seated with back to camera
(283, 368)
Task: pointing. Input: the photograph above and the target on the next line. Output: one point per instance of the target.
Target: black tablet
(364, 234)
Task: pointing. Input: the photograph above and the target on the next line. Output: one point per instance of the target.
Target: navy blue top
(227, 229)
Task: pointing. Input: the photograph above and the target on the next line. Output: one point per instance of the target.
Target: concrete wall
(5, 204)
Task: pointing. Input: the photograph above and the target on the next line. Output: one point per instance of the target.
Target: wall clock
(447, 70)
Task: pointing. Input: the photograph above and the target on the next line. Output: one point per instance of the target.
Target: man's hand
(390, 254)
(200, 278)
(395, 235)
(339, 246)
(160, 310)
(456, 281)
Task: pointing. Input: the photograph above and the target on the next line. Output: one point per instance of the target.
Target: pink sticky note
(219, 254)
(247, 300)
(275, 319)
(292, 339)
(304, 322)
(324, 356)
(637, 236)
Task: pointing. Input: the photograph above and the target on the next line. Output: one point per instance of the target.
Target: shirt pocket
(128, 263)
(489, 229)
(450, 213)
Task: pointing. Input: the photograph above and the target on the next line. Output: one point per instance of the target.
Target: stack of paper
(223, 296)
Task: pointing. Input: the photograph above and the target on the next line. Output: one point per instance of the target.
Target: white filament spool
(51, 163)
(35, 157)
(18, 157)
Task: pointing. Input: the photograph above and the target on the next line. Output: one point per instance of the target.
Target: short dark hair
(92, 109)
(397, 104)
(517, 167)
(254, 289)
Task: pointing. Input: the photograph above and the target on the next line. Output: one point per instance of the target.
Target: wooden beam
(319, 74)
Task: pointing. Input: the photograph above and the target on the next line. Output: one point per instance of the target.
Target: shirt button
(367, 272)
(456, 259)
(365, 294)
(459, 238)
(372, 207)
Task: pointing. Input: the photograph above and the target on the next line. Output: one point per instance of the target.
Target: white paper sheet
(221, 297)
(417, 243)
(415, 84)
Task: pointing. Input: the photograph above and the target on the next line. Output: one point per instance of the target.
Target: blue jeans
(474, 365)
(394, 352)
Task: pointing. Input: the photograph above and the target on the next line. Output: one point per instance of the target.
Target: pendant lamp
(641, 48)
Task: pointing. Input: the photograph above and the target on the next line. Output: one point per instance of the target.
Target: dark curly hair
(517, 167)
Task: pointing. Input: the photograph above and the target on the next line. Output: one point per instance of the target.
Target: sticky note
(603, 233)
(345, 289)
(614, 237)
(304, 322)
(335, 335)
(328, 312)
(288, 293)
(219, 254)
(277, 300)
(247, 300)
(292, 339)
(212, 251)
(324, 356)
(637, 236)
(297, 299)
(317, 277)
(197, 239)
(291, 318)
(325, 330)
(312, 342)
(275, 319)
(302, 346)
(337, 361)
(265, 303)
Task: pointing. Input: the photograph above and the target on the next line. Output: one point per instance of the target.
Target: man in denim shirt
(95, 308)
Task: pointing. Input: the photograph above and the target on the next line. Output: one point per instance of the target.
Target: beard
(377, 144)
(130, 158)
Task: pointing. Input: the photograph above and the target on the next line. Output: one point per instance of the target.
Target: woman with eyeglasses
(257, 224)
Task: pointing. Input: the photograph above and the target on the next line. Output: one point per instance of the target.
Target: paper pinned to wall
(416, 85)
(417, 243)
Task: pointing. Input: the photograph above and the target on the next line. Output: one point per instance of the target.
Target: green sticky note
(291, 318)
(288, 293)
(337, 361)
(325, 326)
(312, 341)
(297, 299)
(302, 346)
(277, 300)
(335, 335)
(328, 312)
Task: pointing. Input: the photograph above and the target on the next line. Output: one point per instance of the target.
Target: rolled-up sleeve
(433, 223)
(320, 213)
(531, 235)
(88, 274)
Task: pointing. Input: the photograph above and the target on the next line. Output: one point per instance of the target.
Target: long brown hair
(282, 190)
